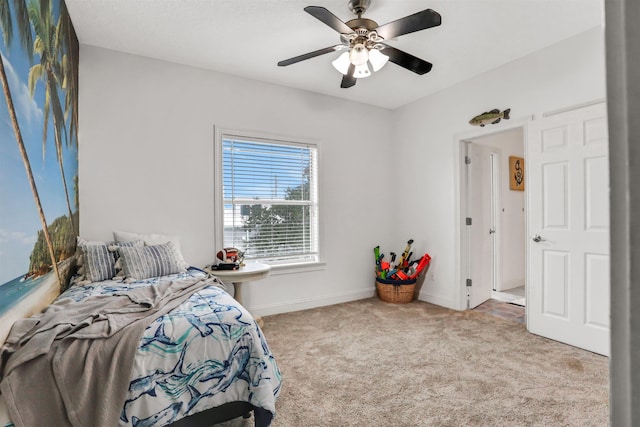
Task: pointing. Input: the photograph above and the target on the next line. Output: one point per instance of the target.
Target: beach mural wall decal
(38, 155)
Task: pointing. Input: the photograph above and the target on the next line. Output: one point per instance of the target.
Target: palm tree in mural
(70, 72)
(26, 40)
(48, 46)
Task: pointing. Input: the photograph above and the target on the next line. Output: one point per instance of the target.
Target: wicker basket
(396, 291)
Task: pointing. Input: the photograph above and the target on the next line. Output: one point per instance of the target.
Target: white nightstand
(250, 272)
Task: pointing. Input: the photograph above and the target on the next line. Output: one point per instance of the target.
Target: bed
(202, 362)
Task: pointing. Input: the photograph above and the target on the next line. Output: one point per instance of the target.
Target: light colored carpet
(369, 363)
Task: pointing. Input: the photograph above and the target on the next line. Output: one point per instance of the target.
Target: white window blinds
(270, 199)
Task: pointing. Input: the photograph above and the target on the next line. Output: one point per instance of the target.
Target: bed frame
(226, 412)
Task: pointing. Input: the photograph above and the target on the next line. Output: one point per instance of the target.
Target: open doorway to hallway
(566, 216)
(496, 215)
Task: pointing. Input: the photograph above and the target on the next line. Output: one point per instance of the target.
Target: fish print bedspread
(206, 352)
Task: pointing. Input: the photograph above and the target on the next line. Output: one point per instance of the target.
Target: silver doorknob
(536, 238)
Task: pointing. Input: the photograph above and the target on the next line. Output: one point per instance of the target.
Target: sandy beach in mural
(33, 303)
(45, 292)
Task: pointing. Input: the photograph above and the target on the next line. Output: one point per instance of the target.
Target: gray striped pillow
(113, 248)
(98, 262)
(150, 261)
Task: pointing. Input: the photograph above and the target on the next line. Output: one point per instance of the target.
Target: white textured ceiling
(248, 37)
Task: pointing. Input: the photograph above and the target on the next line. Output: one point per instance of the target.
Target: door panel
(596, 203)
(554, 139)
(568, 199)
(555, 285)
(595, 131)
(481, 260)
(597, 296)
(555, 202)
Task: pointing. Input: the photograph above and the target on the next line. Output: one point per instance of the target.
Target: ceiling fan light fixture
(342, 63)
(377, 59)
(364, 38)
(361, 71)
(359, 54)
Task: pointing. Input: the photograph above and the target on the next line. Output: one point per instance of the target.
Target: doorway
(494, 218)
(566, 218)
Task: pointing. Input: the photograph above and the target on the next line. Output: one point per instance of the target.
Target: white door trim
(459, 198)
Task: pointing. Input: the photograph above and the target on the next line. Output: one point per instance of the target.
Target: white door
(480, 236)
(568, 226)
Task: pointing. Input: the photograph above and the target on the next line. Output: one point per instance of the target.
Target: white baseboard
(510, 284)
(306, 303)
(438, 300)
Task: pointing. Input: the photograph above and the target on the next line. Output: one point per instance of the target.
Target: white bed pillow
(149, 238)
(150, 261)
(153, 239)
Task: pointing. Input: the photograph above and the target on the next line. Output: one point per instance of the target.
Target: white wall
(511, 229)
(147, 148)
(568, 73)
(146, 165)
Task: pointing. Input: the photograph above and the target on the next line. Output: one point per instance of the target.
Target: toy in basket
(396, 281)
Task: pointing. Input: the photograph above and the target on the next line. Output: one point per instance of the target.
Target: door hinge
(467, 160)
(469, 283)
(468, 221)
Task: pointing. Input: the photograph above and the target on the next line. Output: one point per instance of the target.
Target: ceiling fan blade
(348, 79)
(409, 24)
(406, 60)
(309, 55)
(328, 18)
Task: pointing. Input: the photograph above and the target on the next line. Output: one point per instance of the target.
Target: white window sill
(303, 267)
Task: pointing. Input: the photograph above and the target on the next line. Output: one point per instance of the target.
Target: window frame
(265, 137)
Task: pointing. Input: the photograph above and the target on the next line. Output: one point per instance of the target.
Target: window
(268, 191)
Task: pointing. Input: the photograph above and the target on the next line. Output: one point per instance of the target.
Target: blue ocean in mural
(15, 290)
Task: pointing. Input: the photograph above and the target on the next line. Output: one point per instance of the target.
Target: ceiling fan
(364, 39)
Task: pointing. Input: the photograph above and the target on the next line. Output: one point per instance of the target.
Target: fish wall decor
(490, 117)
